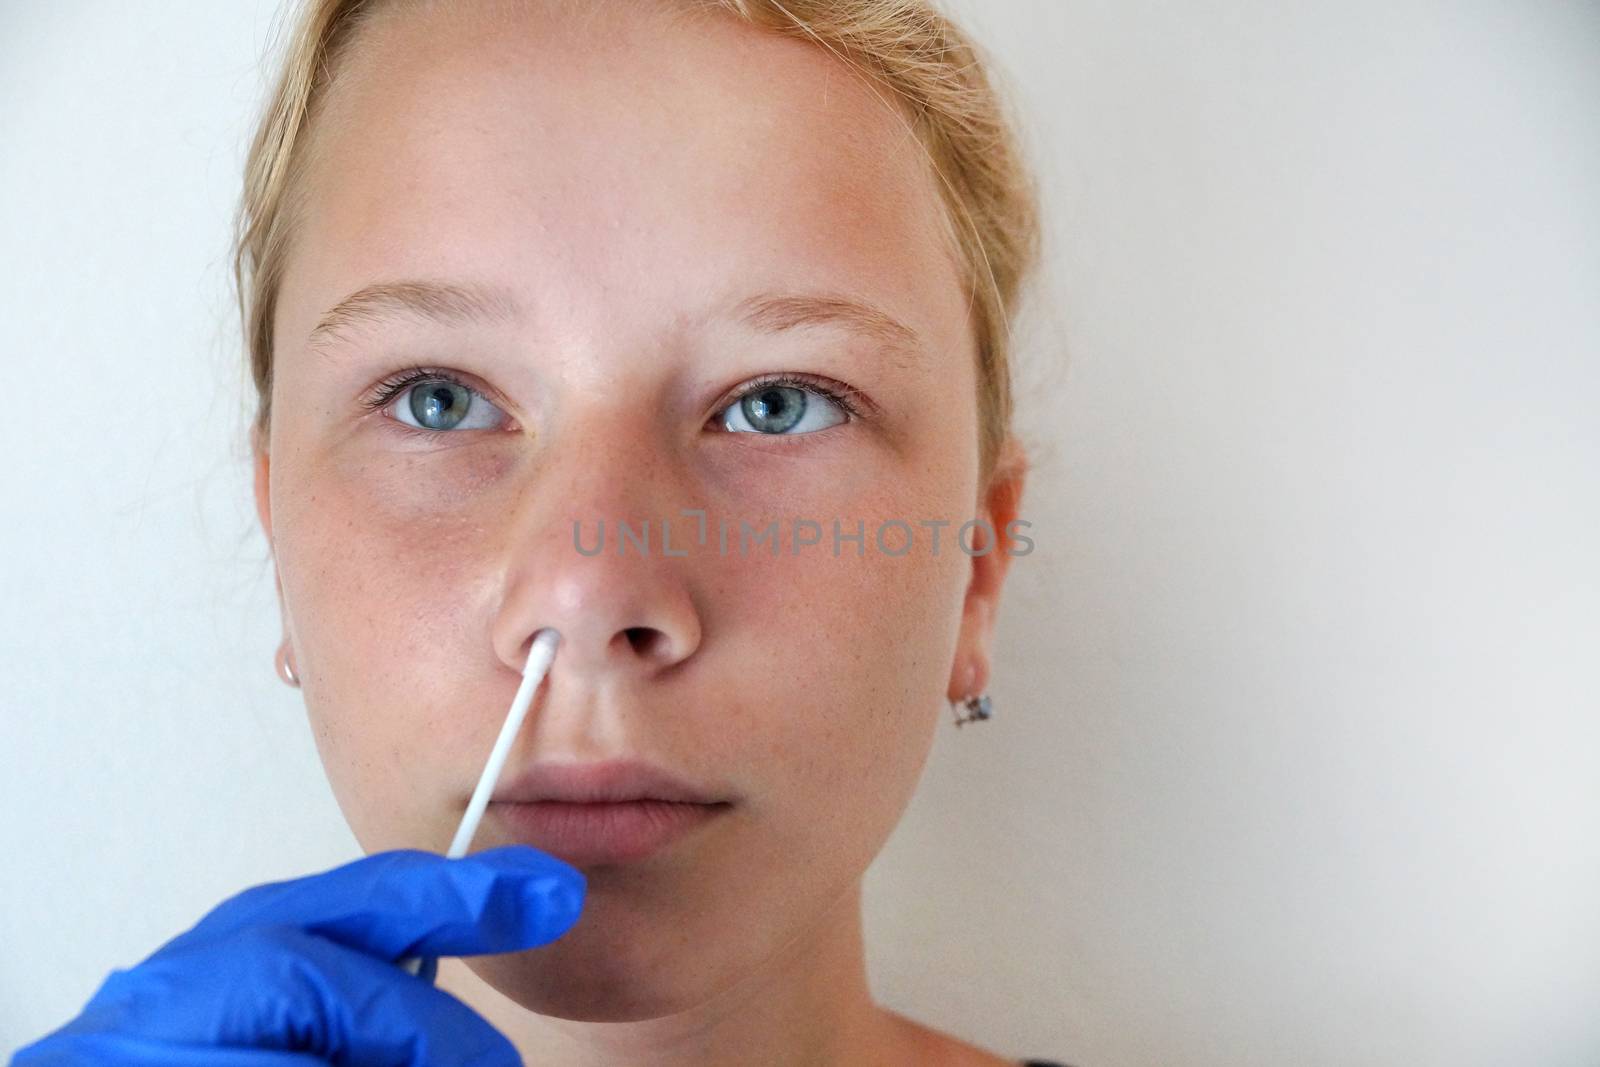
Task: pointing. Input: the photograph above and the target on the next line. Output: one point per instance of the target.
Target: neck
(808, 1006)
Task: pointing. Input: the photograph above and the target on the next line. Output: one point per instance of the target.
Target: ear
(262, 463)
(998, 504)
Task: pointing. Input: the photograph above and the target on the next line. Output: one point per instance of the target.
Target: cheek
(389, 547)
(384, 584)
(829, 711)
(845, 659)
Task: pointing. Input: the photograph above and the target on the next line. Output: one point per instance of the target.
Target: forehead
(601, 149)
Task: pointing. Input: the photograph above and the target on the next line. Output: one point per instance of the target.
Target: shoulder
(935, 1048)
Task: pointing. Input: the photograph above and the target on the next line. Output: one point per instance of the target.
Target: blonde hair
(908, 47)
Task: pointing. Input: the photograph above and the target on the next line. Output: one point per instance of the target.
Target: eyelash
(851, 401)
(396, 383)
(847, 398)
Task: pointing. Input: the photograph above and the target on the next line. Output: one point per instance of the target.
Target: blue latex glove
(305, 971)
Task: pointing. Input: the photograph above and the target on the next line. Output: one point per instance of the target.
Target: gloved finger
(275, 989)
(408, 902)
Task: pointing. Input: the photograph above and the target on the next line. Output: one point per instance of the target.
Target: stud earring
(285, 668)
(978, 709)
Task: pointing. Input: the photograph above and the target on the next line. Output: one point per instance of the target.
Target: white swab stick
(539, 660)
(544, 651)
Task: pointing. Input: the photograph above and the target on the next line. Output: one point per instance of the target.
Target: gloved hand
(305, 971)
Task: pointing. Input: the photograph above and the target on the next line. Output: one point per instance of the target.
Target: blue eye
(783, 405)
(776, 405)
(436, 401)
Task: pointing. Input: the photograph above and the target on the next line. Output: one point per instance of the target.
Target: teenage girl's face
(631, 215)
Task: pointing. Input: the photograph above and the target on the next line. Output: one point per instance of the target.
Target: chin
(570, 982)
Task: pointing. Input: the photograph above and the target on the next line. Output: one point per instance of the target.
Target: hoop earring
(285, 668)
(979, 709)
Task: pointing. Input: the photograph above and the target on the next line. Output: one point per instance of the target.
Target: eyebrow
(457, 304)
(435, 301)
(775, 312)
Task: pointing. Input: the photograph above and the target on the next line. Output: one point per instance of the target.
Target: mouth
(611, 780)
(619, 811)
(605, 832)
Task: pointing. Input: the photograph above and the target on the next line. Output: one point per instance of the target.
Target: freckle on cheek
(443, 485)
(409, 497)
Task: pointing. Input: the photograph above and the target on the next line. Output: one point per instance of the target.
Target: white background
(1296, 756)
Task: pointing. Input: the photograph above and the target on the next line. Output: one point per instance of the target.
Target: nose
(625, 612)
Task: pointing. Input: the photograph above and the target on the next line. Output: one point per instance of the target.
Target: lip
(616, 811)
(608, 781)
(603, 832)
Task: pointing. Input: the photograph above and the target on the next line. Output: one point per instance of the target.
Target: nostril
(644, 639)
